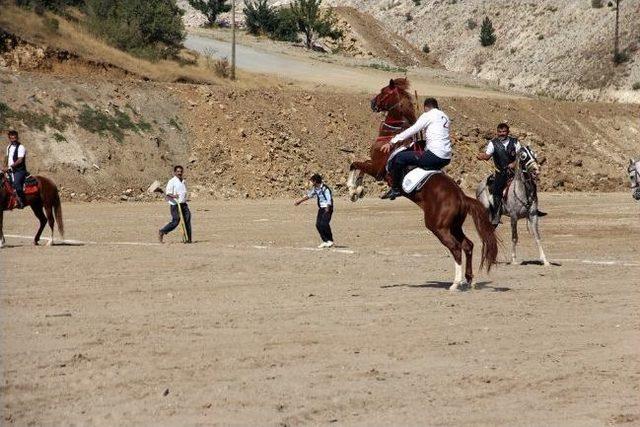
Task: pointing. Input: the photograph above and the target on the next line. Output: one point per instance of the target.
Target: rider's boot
(395, 188)
(496, 212)
(20, 200)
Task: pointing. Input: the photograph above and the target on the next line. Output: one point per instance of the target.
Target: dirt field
(251, 326)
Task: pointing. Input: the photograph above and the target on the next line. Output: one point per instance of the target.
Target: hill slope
(557, 48)
(98, 138)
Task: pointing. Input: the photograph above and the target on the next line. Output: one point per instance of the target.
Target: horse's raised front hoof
(354, 197)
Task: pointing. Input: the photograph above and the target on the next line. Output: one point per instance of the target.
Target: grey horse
(634, 177)
(522, 200)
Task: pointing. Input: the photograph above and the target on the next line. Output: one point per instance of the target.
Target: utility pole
(616, 47)
(233, 40)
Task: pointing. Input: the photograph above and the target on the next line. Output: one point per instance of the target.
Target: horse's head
(392, 97)
(634, 177)
(528, 161)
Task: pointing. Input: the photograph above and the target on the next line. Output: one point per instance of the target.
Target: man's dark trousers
(322, 223)
(501, 179)
(175, 219)
(18, 182)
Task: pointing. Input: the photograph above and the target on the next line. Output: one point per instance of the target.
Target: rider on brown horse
(437, 154)
(16, 156)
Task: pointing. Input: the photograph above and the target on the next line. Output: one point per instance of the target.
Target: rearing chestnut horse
(443, 202)
(400, 115)
(46, 200)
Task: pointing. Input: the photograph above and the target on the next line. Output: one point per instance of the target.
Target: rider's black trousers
(18, 182)
(427, 161)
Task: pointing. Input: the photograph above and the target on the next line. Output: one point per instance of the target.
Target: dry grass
(73, 38)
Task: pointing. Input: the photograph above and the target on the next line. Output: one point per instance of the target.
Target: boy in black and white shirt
(325, 209)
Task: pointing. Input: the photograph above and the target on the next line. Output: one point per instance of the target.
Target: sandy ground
(251, 326)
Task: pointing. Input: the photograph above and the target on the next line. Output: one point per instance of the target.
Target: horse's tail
(57, 212)
(50, 195)
(485, 230)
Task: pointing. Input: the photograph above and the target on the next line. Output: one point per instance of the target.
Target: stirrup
(391, 194)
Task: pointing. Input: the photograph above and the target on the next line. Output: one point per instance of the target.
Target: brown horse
(46, 199)
(443, 202)
(400, 115)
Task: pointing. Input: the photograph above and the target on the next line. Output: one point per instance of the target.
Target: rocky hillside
(103, 138)
(549, 47)
(552, 48)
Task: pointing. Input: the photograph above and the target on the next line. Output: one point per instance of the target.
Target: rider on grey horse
(634, 177)
(502, 150)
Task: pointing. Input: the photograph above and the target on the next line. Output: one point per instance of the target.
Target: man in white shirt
(16, 161)
(325, 209)
(176, 193)
(437, 154)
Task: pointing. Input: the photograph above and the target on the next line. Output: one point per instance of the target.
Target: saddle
(30, 187)
(416, 178)
(491, 180)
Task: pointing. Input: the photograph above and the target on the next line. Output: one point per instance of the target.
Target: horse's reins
(633, 171)
(394, 106)
(519, 171)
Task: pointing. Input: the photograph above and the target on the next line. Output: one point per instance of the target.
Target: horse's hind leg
(467, 247)
(52, 221)
(37, 210)
(533, 220)
(455, 246)
(514, 239)
(2, 241)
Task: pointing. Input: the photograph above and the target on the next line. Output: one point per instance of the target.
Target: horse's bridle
(526, 158)
(634, 177)
(394, 106)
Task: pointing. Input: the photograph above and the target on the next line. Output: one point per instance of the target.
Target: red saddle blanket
(30, 187)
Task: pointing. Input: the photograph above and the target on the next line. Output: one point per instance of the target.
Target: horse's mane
(403, 84)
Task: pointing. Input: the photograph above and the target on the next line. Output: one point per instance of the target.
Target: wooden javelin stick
(420, 135)
(183, 226)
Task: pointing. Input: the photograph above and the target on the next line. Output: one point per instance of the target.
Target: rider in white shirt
(16, 161)
(437, 154)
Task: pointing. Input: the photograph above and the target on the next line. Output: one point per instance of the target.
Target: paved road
(310, 71)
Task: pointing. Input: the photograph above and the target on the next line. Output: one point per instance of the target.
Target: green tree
(146, 28)
(313, 22)
(259, 17)
(211, 8)
(277, 23)
(487, 35)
